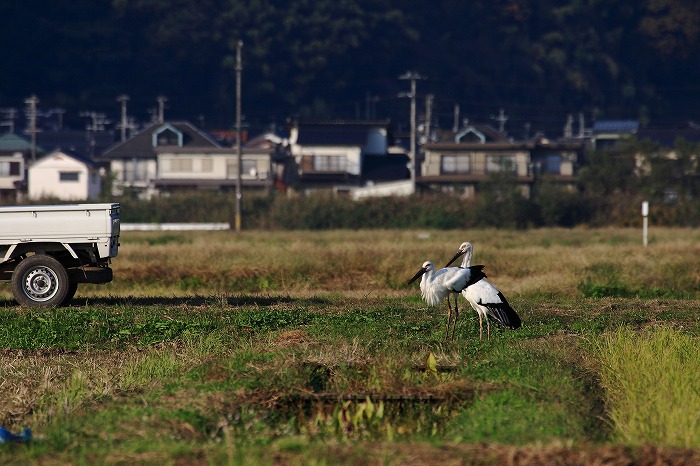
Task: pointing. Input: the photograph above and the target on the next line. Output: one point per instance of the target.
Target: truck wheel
(72, 288)
(40, 280)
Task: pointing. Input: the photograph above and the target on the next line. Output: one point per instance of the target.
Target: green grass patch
(651, 382)
(182, 359)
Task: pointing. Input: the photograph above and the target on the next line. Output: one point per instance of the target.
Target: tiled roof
(615, 126)
(141, 145)
(10, 142)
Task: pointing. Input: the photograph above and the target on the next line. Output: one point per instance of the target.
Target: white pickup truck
(46, 250)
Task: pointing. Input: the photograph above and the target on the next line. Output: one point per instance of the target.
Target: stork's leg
(449, 315)
(488, 328)
(454, 324)
(481, 327)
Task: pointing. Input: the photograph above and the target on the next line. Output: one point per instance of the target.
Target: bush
(504, 207)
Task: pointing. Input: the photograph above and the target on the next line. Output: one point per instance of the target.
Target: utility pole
(59, 112)
(455, 122)
(239, 69)
(161, 108)
(98, 122)
(428, 115)
(31, 102)
(412, 76)
(367, 105)
(123, 99)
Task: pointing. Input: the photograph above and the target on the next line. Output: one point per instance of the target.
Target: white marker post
(645, 221)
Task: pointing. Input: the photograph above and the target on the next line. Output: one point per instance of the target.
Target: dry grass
(550, 262)
(302, 263)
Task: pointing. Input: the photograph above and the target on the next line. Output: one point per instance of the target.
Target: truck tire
(40, 281)
(72, 288)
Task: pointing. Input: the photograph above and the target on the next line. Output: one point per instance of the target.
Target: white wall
(78, 183)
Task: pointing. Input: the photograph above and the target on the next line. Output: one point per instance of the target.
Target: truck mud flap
(90, 274)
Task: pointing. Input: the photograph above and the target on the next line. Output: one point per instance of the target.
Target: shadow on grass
(184, 301)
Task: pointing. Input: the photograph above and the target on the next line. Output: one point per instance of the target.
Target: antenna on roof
(161, 107)
(31, 110)
(501, 119)
(123, 125)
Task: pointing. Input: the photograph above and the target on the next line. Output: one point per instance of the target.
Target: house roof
(141, 145)
(337, 132)
(85, 160)
(615, 126)
(10, 142)
(479, 133)
(76, 141)
(266, 140)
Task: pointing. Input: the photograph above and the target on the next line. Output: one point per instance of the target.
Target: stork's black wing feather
(503, 313)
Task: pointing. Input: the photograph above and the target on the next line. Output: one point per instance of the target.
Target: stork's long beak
(417, 275)
(456, 256)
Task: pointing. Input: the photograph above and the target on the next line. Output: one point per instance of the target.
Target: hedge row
(315, 212)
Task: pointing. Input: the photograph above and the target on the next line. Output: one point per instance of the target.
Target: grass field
(309, 348)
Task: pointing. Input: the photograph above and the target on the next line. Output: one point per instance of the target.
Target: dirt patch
(292, 339)
(410, 454)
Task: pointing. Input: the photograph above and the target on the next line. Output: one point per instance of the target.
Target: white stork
(435, 286)
(485, 298)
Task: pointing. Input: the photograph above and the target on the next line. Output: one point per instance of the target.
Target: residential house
(134, 163)
(12, 175)
(477, 154)
(64, 176)
(181, 168)
(607, 133)
(342, 154)
(15, 152)
(558, 160)
(682, 168)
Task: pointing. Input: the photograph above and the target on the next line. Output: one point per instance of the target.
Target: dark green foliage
(549, 205)
(559, 206)
(321, 58)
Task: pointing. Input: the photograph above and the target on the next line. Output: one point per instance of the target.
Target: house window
(248, 167)
(180, 165)
(69, 177)
(451, 164)
(552, 164)
(329, 163)
(135, 170)
(9, 168)
(206, 165)
(500, 163)
(168, 137)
